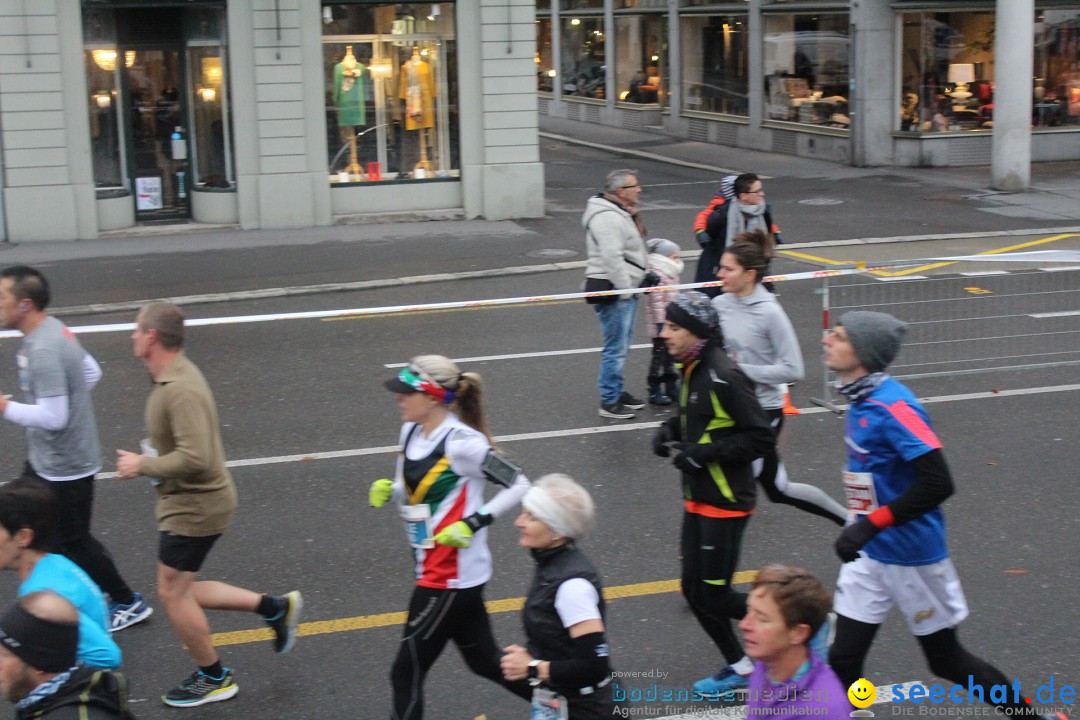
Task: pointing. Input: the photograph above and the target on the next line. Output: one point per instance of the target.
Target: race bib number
(859, 489)
(547, 705)
(418, 525)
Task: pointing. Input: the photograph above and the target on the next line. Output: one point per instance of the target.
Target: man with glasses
(746, 211)
(614, 240)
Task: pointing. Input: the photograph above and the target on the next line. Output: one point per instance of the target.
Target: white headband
(547, 510)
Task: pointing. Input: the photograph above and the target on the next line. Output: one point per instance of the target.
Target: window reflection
(583, 57)
(807, 69)
(714, 64)
(641, 57)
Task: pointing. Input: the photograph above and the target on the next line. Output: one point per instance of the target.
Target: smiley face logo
(862, 693)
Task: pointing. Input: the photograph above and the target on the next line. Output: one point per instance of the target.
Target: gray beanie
(875, 337)
(694, 311)
(660, 246)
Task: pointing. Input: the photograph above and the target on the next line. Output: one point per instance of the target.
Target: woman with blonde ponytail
(439, 487)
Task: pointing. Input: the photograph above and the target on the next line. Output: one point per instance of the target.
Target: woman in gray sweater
(759, 336)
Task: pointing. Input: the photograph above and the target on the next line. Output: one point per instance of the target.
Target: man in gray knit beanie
(875, 337)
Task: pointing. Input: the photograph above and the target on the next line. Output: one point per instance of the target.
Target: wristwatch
(534, 678)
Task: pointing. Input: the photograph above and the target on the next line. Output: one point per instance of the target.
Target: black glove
(691, 458)
(660, 439)
(651, 279)
(703, 238)
(852, 539)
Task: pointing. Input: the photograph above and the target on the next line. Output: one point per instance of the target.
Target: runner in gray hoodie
(759, 336)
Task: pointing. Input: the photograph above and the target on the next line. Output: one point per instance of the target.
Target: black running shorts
(182, 552)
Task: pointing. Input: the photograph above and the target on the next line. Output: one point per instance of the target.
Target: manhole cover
(821, 201)
(551, 253)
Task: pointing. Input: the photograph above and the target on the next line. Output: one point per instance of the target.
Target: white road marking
(1063, 313)
(602, 429)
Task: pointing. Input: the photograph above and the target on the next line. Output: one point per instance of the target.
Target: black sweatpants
(75, 506)
(435, 618)
(710, 552)
(944, 654)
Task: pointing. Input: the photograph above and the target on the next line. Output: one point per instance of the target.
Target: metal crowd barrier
(967, 323)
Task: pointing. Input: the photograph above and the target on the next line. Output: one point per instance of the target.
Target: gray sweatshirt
(760, 338)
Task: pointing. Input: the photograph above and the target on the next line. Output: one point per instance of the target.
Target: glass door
(158, 138)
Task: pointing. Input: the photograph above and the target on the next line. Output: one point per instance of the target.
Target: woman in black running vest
(439, 488)
(566, 653)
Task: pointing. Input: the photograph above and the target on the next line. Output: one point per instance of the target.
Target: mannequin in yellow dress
(418, 91)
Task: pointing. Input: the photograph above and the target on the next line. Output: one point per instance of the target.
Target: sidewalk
(878, 205)
(1054, 193)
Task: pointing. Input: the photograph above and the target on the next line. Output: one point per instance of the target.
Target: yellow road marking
(450, 310)
(367, 622)
(931, 266)
(998, 251)
(814, 258)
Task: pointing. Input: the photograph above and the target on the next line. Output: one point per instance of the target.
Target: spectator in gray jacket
(617, 257)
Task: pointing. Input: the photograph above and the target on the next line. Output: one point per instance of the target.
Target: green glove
(458, 535)
(380, 492)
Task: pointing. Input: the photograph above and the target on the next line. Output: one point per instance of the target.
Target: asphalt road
(303, 400)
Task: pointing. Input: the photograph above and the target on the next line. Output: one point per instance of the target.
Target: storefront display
(391, 90)
(584, 57)
(807, 61)
(640, 58)
(947, 71)
(714, 63)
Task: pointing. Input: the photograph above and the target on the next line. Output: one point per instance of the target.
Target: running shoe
(630, 401)
(822, 640)
(122, 616)
(616, 410)
(725, 681)
(200, 689)
(284, 623)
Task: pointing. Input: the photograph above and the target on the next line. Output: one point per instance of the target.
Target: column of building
(47, 181)
(275, 63)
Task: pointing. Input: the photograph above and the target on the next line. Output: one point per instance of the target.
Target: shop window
(391, 92)
(807, 62)
(946, 72)
(714, 69)
(209, 127)
(545, 69)
(1056, 92)
(583, 57)
(640, 58)
(567, 5)
(106, 142)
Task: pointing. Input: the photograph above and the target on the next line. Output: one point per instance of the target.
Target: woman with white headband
(444, 465)
(566, 654)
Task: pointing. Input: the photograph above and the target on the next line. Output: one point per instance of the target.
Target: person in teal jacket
(27, 529)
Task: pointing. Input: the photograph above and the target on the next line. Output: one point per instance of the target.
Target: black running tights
(710, 551)
(945, 655)
(435, 618)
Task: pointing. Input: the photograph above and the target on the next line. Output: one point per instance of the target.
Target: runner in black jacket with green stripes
(719, 431)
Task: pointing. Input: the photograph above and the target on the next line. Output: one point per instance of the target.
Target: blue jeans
(617, 324)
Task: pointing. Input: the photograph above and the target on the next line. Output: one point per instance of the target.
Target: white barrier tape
(1043, 256)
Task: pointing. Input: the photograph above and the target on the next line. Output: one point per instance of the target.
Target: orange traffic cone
(789, 409)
